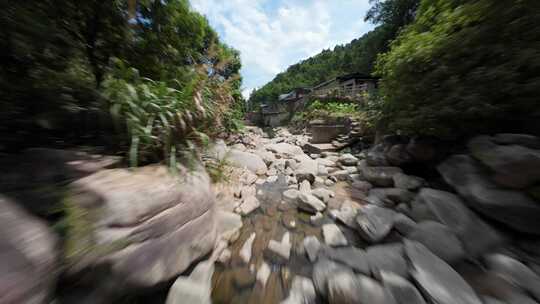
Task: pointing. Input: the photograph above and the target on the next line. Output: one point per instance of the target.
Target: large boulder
(251, 161)
(323, 270)
(512, 208)
(439, 239)
(143, 226)
(350, 256)
(440, 283)
(477, 236)
(387, 257)
(28, 257)
(374, 223)
(514, 166)
(343, 288)
(371, 292)
(380, 176)
(333, 236)
(403, 291)
(515, 272)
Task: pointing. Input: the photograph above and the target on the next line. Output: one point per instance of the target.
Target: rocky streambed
(342, 228)
(286, 227)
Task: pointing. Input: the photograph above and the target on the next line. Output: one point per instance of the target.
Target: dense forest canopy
(464, 68)
(357, 56)
(156, 71)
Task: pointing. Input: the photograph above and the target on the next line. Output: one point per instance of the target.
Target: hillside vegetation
(357, 56)
(151, 79)
(463, 68)
(448, 68)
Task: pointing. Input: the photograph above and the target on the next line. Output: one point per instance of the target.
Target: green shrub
(463, 67)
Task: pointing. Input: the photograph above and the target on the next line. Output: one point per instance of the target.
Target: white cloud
(273, 34)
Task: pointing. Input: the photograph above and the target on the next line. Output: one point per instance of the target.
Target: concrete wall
(275, 119)
(326, 131)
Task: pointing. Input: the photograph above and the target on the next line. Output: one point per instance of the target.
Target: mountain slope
(357, 56)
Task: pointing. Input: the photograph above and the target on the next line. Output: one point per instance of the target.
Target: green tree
(464, 67)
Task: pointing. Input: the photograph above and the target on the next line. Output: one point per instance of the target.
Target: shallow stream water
(235, 282)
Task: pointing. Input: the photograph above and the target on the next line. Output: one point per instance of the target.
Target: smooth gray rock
(251, 161)
(438, 281)
(404, 224)
(392, 196)
(196, 288)
(371, 292)
(439, 239)
(512, 208)
(515, 272)
(350, 256)
(302, 292)
(374, 223)
(477, 236)
(343, 288)
(348, 160)
(333, 236)
(495, 287)
(387, 257)
(143, 214)
(28, 268)
(312, 247)
(310, 203)
(514, 166)
(380, 176)
(408, 182)
(402, 290)
(346, 215)
(322, 271)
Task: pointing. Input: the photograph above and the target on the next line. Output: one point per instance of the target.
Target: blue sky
(274, 34)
